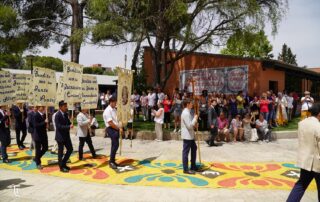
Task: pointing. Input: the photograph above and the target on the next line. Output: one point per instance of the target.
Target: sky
(300, 30)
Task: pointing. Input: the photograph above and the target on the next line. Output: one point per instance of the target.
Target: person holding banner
(63, 126)
(5, 138)
(188, 135)
(30, 127)
(20, 115)
(40, 135)
(113, 128)
(84, 122)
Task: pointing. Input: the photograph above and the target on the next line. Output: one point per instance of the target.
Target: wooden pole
(196, 111)
(120, 133)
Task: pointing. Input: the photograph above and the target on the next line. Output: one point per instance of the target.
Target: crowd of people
(232, 117)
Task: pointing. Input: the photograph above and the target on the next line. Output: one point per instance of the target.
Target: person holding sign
(5, 138)
(20, 115)
(40, 135)
(63, 126)
(113, 128)
(84, 122)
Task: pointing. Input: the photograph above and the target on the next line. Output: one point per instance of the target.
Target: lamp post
(31, 62)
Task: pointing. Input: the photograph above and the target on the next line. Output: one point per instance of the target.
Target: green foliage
(44, 61)
(99, 71)
(140, 78)
(287, 56)
(248, 44)
(193, 24)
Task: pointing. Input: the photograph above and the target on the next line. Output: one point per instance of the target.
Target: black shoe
(67, 167)
(189, 172)
(94, 156)
(196, 169)
(113, 166)
(64, 170)
(80, 159)
(39, 167)
(21, 147)
(6, 161)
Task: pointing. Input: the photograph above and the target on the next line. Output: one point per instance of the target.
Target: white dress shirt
(83, 125)
(151, 99)
(187, 125)
(110, 114)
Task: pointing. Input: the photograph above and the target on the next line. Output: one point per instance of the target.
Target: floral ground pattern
(150, 172)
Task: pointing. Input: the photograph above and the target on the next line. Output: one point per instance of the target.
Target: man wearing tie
(40, 134)
(111, 121)
(5, 138)
(20, 115)
(63, 126)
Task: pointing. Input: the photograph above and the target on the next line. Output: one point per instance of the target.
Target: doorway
(273, 85)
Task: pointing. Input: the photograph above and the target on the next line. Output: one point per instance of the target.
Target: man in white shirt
(151, 103)
(306, 103)
(308, 154)
(112, 125)
(84, 122)
(187, 134)
(262, 128)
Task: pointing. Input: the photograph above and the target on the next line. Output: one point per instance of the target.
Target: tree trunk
(77, 23)
(135, 57)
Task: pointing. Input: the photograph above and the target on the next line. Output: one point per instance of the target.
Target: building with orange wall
(261, 74)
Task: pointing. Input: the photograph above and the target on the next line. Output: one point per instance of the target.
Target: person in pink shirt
(264, 106)
(167, 107)
(223, 125)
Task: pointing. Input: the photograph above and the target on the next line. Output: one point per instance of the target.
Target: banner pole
(120, 133)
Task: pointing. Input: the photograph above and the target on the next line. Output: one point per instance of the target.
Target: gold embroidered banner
(22, 83)
(125, 78)
(90, 92)
(7, 89)
(44, 86)
(72, 78)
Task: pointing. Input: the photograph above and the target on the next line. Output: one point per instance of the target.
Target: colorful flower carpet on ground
(151, 172)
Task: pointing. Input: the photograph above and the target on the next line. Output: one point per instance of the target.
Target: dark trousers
(41, 148)
(212, 136)
(187, 145)
(4, 151)
(302, 184)
(203, 122)
(20, 139)
(149, 113)
(89, 143)
(114, 135)
(63, 159)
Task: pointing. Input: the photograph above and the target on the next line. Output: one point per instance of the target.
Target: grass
(292, 125)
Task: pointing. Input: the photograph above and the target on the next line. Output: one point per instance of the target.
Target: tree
(192, 24)
(46, 62)
(61, 21)
(12, 43)
(287, 56)
(248, 44)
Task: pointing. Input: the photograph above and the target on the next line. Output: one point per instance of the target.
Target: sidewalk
(37, 187)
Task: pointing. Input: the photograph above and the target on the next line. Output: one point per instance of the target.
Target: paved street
(36, 187)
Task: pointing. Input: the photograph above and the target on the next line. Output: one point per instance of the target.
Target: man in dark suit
(20, 115)
(40, 135)
(5, 138)
(32, 110)
(63, 126)
(212, 123)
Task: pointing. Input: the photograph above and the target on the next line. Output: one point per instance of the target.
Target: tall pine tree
(287, 56)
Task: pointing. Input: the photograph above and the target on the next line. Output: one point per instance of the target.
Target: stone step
(151, 135)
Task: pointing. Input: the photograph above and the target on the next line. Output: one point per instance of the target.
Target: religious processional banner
(90, 92)
(72, 79)
(125, 78)
(44, 86)
(22, 84)
(7, 89)
(227, 80)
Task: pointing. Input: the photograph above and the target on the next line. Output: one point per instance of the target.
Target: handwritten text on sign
(89, 92)
(22, 83)
(226, 80)
(44, 86)
(72, 75)
(7, 89)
